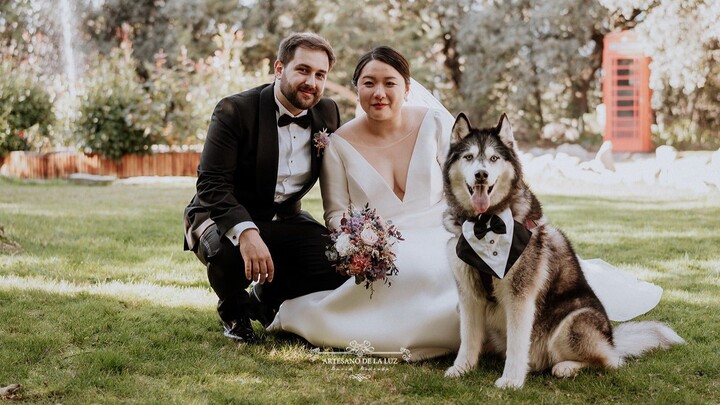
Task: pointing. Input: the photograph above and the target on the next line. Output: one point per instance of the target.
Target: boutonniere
(321, 139)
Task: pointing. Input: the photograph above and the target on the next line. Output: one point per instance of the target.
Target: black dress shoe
(239, 330)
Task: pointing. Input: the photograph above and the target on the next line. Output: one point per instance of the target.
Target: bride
(391, 158)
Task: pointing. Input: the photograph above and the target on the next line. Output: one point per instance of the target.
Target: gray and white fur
(543, 314)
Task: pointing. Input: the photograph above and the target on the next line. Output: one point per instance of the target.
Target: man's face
(302, 80)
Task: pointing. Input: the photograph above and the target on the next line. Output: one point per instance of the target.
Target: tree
(537, 59)
(161, 25)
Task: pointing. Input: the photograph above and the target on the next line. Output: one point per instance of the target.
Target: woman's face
(381, 90)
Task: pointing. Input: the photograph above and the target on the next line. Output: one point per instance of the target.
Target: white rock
(664, 157)
(605, 156)
(564, 159)
(689, 173)
(594, 165)
(573, 149)
(540, 151)
(715, 160)
(665, 154)
(712, 176)
(567, 165)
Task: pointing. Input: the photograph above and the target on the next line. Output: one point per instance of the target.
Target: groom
(245, 223)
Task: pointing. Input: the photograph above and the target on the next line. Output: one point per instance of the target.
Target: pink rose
(368, 236)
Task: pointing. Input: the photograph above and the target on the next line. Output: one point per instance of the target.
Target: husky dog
(533, 303)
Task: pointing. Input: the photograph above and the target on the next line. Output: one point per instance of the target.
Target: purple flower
(321, 140)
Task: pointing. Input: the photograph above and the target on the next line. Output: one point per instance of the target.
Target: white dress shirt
(493, 249)
(293, 164)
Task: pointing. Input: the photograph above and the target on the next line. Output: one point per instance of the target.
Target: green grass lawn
(103, 306)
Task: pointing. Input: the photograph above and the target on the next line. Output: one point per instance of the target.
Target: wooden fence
(29, 165)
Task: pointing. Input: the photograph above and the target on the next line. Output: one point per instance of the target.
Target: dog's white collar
(493, 249)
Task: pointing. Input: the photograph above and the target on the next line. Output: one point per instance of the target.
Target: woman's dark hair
(387, 55)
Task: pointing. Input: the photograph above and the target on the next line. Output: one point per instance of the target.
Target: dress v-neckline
(410, 163)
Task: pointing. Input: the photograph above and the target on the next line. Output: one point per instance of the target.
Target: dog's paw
(567, 369)
(456, 371)
(506, 382)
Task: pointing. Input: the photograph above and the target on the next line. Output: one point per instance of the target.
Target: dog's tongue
(480, 199)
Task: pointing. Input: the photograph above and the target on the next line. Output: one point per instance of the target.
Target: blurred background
(114, 77)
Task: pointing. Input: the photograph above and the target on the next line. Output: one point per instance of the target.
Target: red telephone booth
(626, 93)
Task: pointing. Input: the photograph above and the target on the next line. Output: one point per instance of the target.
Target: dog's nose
(481, 175)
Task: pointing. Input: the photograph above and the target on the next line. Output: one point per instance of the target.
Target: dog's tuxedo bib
(492, 244)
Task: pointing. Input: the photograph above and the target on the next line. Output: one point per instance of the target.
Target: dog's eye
(494, 158)
(468, 156)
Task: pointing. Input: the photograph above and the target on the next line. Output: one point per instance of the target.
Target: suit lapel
(318, 124)
(267, 149)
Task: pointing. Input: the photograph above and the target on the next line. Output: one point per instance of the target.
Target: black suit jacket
(238, 167)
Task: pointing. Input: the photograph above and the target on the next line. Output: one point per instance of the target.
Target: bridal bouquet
(364, 247)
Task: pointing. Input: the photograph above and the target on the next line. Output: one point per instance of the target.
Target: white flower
(368, 236)
(343, 244)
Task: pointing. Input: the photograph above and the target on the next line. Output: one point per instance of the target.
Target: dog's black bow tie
(303, 121)
(488, 223)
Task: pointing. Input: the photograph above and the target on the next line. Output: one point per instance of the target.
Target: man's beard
(293, 98)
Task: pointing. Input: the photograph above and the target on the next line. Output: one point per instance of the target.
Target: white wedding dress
(418, 312)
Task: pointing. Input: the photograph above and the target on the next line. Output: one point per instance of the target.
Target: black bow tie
(488, 223)
(302, 121)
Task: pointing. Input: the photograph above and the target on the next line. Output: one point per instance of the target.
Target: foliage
(128, 317)
(18, 21)
(682, 133)
(25, 109)
(171, 26)
(187, 91)
(116, 114)
(537, 60)
(31, 32)
(413, 28)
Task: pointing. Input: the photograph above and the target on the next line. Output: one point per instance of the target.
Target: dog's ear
(505, 131)
(461, 129)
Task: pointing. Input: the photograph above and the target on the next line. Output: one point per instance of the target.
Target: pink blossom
(368, 236)
(360, 264)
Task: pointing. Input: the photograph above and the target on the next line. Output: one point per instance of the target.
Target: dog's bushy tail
(635, 338)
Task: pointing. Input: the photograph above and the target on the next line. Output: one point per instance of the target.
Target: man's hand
(258, 263)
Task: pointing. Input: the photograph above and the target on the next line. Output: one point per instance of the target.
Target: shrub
(25, 109)
(187, 93)
(683, 134)
(116, 115)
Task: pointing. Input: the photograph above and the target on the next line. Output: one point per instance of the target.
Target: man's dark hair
(309, 40)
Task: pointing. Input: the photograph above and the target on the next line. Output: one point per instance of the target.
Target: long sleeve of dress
(333, 186)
